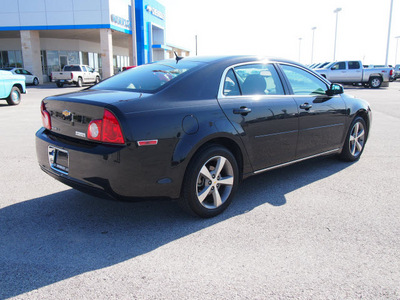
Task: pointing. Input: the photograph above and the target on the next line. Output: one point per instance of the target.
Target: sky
(274, 28)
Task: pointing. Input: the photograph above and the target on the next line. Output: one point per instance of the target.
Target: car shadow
(58, 236)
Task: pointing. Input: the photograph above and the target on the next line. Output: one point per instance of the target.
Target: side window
(354, 65)
(339, 66)
(259, 79)
(304, 83)
(84, 69)
(231, 86)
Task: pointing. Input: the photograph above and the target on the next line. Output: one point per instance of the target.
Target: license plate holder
(58, 159)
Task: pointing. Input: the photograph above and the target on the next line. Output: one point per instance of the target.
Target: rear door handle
(305, 106)
(243, 110)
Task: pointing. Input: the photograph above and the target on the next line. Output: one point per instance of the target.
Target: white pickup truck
(75, 74)
(353, 72)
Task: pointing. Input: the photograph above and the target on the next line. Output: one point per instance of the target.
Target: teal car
(11, 87)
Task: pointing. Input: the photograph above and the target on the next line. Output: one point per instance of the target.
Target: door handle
(305, 106)
(243, 110)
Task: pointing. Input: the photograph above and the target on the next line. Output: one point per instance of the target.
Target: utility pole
(336, 11)
(388, 39)
(312, 46)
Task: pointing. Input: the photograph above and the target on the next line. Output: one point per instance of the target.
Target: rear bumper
(106, 171)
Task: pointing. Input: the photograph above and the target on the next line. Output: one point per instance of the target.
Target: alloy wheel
(215, 182)
(357, 139)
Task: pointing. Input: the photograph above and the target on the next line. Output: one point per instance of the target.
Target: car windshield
(147, 78)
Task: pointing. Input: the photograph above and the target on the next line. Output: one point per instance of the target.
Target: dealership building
(44, 35)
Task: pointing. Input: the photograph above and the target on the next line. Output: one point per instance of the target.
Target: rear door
(354, 71)
(253, 99)
(321, 118)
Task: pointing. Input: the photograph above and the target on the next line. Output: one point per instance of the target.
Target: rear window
(72, 68)
(147, 78)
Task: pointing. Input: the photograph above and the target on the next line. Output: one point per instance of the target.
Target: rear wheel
(375, 82)
(97, 80)
(210, 182)
(355, 140)
(35, 81)
(79, 83)
(59, 84)
(15, 96)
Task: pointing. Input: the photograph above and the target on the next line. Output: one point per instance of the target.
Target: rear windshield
(147, 78)
(72, 68)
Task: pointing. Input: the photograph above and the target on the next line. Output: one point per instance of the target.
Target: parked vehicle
(353, 72)
(194, 128)
(11, 87)
(29, 77)
(75, 74)
(396, 71)
(127, 68)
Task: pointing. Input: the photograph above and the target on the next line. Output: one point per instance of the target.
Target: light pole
(300, 48)
(388, 39)
(397, 44)
(336, 11)
(312, 46)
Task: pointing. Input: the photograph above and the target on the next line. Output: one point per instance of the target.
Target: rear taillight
(46, 120)
(72, 75)
(107, 130)
(391, 72)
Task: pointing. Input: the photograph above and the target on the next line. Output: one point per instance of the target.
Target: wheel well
(363, 114)
(230, 145)
(19, 87)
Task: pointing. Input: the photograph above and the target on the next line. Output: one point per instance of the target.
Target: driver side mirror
(335, 89)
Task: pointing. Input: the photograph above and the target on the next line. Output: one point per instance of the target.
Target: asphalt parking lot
(321, 229)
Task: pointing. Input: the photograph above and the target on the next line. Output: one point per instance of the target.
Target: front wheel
(97, 80)
(15, 96)
(210, 182)
(59, 84)
(355, 140)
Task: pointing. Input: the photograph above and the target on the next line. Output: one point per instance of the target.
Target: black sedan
(193, 128)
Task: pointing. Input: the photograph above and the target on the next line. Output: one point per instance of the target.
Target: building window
(11, 59)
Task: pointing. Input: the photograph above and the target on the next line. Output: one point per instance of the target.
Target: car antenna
(177, 57)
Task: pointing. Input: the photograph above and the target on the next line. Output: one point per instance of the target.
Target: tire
(35, 81)
(210, 182)
(79, 83)
(354, 144)
(375, 82)
(59, 84)
(97, 80)
(15, 96)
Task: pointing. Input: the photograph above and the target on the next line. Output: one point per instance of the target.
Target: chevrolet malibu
(193, 128)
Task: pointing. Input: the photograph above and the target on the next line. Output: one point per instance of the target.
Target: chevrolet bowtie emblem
(66, 113)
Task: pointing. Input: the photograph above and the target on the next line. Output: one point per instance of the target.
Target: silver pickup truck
(75, 74)
(353, 72)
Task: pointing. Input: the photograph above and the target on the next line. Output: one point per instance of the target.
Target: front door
(321, 117)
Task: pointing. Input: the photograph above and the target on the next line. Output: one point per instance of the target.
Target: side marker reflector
(147, 143)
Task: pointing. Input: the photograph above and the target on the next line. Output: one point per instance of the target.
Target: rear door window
(353, 65)
(258, 79)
